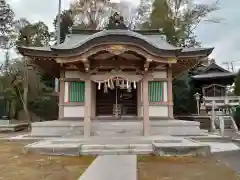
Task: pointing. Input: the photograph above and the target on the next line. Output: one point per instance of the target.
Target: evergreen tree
(37, 34)
(6, 18)
(237, 85)
(65, 24)
(6, 30)
(178, 19)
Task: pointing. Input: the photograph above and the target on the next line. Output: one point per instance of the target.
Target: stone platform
(152, 145)
(116, 128)
(12, 125)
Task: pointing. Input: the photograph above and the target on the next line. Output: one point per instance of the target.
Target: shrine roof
(208, 68)
(211, 71)
(148, 39)
(214, 75)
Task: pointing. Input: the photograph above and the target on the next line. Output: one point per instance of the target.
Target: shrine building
(115, 73)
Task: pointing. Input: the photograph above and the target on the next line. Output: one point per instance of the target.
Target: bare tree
(90, 14)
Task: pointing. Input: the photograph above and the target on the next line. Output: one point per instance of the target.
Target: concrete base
(56, 128)
(152, 145)
(116, 128)
(12, 125)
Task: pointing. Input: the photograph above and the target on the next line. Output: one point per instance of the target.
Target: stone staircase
(229, 123)
(116, 128)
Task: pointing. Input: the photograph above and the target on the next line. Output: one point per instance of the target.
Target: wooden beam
(115, 63)
(49, 66)
(80, 66)
(71, 59)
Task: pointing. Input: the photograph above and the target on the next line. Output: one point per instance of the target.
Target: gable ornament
(116, 49)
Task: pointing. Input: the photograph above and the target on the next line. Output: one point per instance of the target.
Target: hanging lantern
(127, 84)
(134, 84)
(117, 82)
(105, 88)
(109, 83)
(99, 85)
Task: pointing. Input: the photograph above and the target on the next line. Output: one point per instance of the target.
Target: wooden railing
(220, 101)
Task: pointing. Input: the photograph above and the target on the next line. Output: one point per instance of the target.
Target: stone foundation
(114, 128)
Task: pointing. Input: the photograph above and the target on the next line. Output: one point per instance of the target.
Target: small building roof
(204, 70)
(214, 75)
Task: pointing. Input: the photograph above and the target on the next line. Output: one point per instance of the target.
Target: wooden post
(61, 95)
(170, 93)
(87, 105)
(213, 117)
(146, 122)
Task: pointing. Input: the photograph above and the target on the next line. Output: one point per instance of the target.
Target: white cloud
(35, 10)
(225, 35)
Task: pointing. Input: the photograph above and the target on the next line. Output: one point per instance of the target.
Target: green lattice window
(76, 91)
(155, 91)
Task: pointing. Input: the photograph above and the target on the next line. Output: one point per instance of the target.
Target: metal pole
(59, 21)
(58, 38)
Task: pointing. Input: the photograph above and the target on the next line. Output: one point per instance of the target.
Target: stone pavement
(222, 146)
(230, 158)
(112, 167)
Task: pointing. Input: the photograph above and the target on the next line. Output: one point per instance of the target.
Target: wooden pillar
(93, 105)
(87, 105)
(169, 90)
(146, 122)
(139, 99)
(61, 95)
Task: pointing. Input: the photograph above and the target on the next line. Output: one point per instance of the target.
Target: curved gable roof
(75, 41)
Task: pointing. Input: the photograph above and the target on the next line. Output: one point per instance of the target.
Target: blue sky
(223, 36)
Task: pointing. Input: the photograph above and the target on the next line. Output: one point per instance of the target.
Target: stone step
(113, 132)
(139, 140)
(115, 128)
(187, 149)
(116, 152)
(116, 149)
(69, 149)
(115, 146)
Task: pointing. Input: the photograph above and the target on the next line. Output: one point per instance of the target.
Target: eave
(214, 76)
(91, 31)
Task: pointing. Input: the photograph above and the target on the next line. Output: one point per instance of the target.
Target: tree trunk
(25, 91)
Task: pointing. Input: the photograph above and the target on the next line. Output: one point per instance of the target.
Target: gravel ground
(16, 165)
(184, 168)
